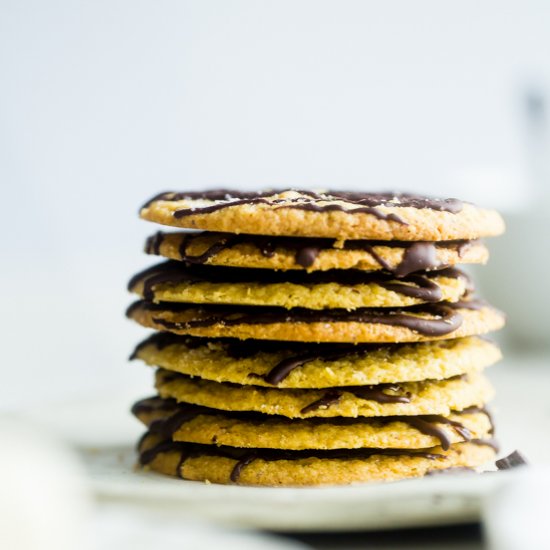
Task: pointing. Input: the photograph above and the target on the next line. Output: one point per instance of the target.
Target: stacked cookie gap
(310, 338)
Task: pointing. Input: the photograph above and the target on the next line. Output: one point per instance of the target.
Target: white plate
(437, 500)
(104, 432)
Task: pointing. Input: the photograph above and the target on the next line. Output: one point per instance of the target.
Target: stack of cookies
(309, 338)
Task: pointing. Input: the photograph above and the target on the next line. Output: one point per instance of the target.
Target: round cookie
(193, 424)
(174, 281)
(272, 468)
(333, 214)
(289, 253)
(419, 323)
(300, 365)
(407, 398)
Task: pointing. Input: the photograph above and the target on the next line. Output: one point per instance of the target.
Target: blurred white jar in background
(516, 278)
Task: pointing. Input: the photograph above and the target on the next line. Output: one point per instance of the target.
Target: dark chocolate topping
(330, 398)
(311, 201)
(177, 415)
(238, 468)
(302, 353)
(376, 393)
(429, 425)
(419, 256)
(245, 457)
(511, 461)
(444, 317)
(420, 287)
(153, 404)
(381, 393)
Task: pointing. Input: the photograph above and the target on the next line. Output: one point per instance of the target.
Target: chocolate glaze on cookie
(302, 352)
(184, 412)
(417, 286)
(244, 457)
(247, 456)
(443, 317)
(419, 256)
(364, 203)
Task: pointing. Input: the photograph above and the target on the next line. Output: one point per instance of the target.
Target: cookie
(174, 281)
(300, 365)
(263, 467)
(289, 253)
(406, 398)
(337, 215)
(419, 323)
(192, 424)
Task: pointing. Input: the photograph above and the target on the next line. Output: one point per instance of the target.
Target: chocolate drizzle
(429, 425)
(376, 393)
(355, 203)
(302, 353)
(429, 320)
(238, 468)
(513, 460)
(418, 256)
(330, 398)
(420, 287)
(176, 415)
(245, 457)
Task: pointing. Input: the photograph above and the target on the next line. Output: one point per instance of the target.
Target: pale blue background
(104, 103)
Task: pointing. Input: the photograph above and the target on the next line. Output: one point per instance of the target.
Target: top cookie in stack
(314, 338)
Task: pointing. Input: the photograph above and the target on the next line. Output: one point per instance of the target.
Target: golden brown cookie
(301, 365)
(406, 398)
(289, 253)
(301, 468)
(339, 215)
(173, 281)
(418, 323)
(193, 424)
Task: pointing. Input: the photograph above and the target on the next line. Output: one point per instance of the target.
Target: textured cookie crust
(317, 366)
(223, 249)
(427, 397)
(216, 468)
(226, 322)
(274, 432)
(309, 291)
(283, 213)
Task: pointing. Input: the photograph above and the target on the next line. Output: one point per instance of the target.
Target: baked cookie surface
(418, 323)
(302, 365)
(174, 281)
(340, 215)
(291, 253)
(264, 467)
(192, 424)
(406, 398)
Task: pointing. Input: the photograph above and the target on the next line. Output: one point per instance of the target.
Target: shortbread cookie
(301, 468)
(193, 424)
(419, 323)
(174, 281)
(301, 365)
(288, 253)
(337, 215)
(406, 398)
